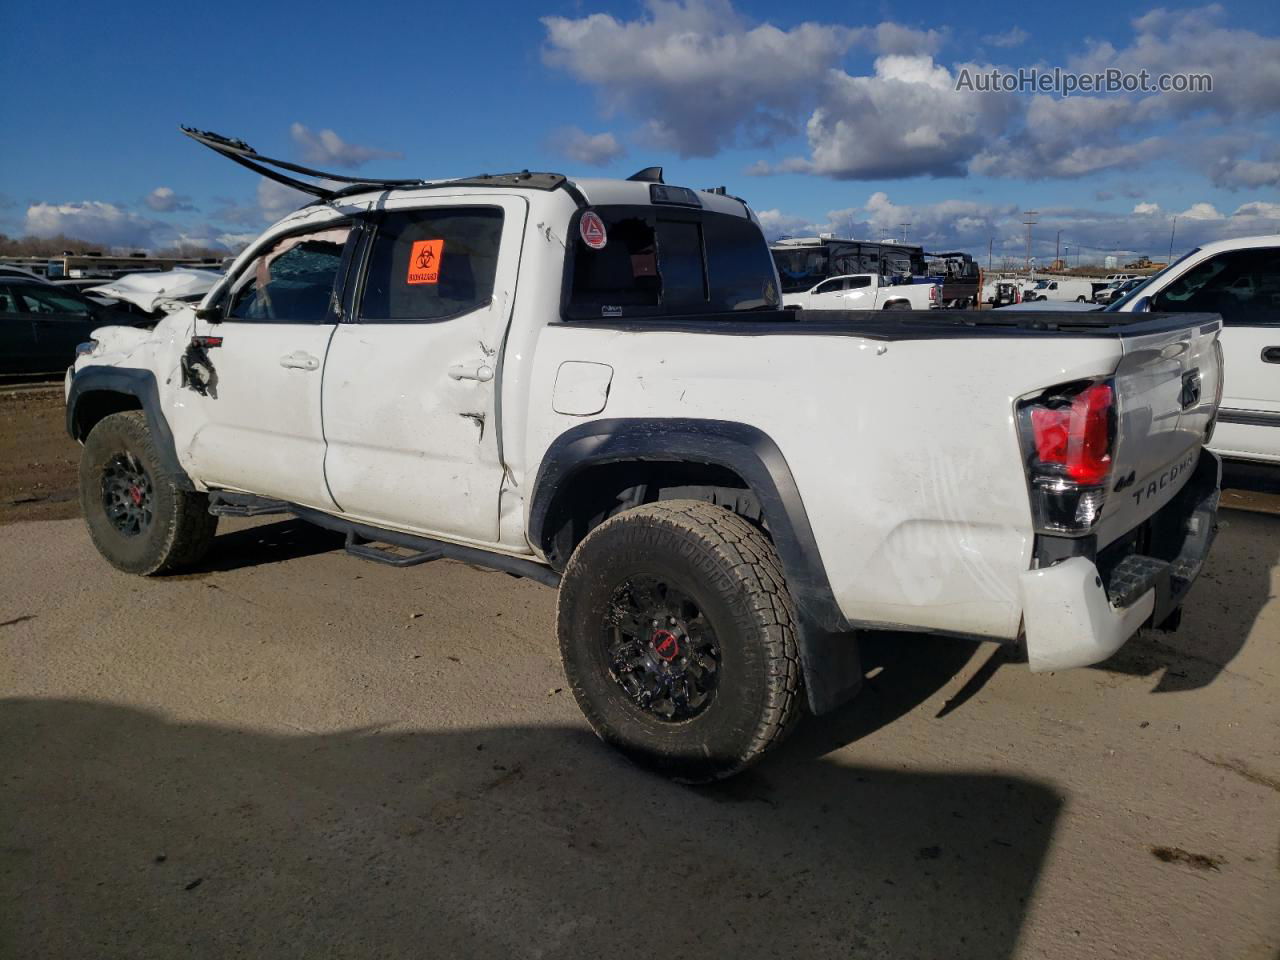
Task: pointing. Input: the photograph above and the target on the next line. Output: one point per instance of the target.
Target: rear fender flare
(828, 655)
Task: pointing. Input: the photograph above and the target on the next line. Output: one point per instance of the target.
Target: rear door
(1244, 287)
(60, 320)
(17, 334)
(410, 408)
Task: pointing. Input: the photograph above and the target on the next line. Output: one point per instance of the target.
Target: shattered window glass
(293, 282)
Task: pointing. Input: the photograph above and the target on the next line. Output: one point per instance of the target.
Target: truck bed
(893, 325)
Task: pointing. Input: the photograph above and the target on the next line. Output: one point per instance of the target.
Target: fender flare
(133, 382)
(829, 657)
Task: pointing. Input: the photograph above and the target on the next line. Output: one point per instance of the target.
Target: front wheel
(138, 517)
(678, 637)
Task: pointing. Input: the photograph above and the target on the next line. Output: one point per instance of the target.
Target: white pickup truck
(864, 291)
(589, 383)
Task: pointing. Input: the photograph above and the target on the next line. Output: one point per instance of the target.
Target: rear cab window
(660, 262)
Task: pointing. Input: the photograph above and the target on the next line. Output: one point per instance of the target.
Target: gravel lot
(323, 757)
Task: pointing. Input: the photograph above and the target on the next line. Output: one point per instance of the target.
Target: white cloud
(275, 199)
(1259, 208)
(326, 147)
(164, 200)
(906, 120)
(590, 149)
(699, 77)
(696, 72)
(1013, 37)
(97, 222)
(1245, 65)
(969, 225)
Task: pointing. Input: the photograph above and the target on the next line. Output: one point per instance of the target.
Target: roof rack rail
(243, 154)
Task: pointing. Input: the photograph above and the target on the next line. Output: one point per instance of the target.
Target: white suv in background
(1239, 279)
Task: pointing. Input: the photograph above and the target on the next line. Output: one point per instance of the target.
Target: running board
(360, 535)
(222, 504)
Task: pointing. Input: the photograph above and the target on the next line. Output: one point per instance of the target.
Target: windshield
(1133, 295)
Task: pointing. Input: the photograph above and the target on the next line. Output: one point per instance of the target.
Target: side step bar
(223, 504)
(358, 546)
(361, 536)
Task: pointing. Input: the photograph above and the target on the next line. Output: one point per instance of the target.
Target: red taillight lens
(1077, 436)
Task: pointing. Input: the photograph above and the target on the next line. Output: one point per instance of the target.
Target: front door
(259, 429)
(410, 385)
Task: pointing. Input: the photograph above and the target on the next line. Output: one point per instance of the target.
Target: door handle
(1271, 354)
(475, 370)
(300, 360)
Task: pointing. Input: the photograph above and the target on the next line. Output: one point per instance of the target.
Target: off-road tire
(180, 528)
(730, 570)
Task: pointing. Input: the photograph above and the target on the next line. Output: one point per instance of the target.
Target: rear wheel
(898, 305)
(678, 638)
(138, 518)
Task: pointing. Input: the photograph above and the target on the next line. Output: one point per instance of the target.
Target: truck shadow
(1219, 614)
(128, 834)
(263, 543)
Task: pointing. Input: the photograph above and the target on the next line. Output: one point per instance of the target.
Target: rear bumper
(1082, 609)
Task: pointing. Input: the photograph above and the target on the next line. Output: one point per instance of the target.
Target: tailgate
(1167, 388)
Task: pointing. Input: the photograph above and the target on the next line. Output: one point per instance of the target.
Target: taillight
(1217, 395)
(933, 293)
(1068, 435)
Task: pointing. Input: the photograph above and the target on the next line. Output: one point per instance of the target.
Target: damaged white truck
(592, 383)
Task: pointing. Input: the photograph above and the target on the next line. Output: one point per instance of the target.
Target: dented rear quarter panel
(905, 453)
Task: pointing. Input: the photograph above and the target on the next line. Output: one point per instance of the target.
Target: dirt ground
(293, 753)
(37, 459)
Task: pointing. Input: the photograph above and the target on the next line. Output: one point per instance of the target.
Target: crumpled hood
(166, 290)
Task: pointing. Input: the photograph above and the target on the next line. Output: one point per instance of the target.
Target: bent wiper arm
(246, 156)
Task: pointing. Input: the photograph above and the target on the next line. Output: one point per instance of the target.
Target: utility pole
(1029, 218)
(904, 231)
(990, 244)
(1172, 230)
(1057, 248)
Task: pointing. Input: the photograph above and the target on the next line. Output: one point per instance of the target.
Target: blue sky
(835, 116)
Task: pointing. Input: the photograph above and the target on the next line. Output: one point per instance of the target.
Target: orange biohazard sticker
(424, 261)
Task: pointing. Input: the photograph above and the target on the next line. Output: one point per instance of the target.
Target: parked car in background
(9, 272)
(41, 325)
(157, 292)
(1059, 290)
(1239, 279)
(865, 291)
(1115, 290)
